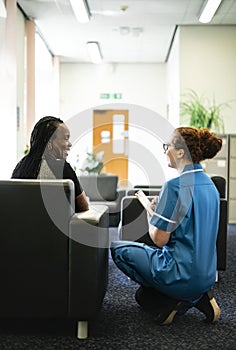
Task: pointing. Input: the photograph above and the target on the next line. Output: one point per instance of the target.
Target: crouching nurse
(178, 270)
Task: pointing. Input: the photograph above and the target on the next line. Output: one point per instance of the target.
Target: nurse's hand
(153, 203)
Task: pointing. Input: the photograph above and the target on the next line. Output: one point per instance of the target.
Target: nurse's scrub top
(188, 207)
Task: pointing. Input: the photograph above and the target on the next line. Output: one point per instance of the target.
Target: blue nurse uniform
(185, 268)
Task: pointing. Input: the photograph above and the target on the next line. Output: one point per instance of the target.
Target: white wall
(147, 131)
(143, 89)
(173, 83)
(46, 82)
(8, 144)
(21, 86)
(208, 66)
(141, 84)
(202, 59)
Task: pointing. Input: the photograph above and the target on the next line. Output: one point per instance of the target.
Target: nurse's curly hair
(199, 144)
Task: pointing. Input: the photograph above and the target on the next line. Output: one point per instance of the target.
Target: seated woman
(178, 270)
(49, 147)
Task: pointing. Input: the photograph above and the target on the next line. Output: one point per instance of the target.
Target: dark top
(63, 170)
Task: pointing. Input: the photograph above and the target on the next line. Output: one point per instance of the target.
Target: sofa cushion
(99, 187)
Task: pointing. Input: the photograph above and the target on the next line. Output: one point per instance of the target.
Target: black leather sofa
(53, 261)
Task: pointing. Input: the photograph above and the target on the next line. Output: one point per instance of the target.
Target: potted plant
(93, 164)
(201, 113)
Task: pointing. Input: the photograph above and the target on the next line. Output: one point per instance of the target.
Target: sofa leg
(82, 329)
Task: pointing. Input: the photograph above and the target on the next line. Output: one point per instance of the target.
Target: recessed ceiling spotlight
(124, 8)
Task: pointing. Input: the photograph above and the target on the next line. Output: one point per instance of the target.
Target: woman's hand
(81, 202)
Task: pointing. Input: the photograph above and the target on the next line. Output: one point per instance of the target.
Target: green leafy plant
(93, 163)
(26, 150)
(201, 113)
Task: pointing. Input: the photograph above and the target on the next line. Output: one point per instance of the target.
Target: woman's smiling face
(61, 142)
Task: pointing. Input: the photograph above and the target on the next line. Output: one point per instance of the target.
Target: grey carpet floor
(123, 325)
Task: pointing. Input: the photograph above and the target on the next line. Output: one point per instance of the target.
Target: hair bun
(210, 143)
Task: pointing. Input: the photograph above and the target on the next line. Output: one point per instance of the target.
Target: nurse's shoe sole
(166, 316)
(208, 305)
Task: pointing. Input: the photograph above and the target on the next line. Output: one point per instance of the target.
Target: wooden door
(110, 134)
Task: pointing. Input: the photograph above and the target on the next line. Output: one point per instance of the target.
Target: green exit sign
(107, 96)
(117, 96)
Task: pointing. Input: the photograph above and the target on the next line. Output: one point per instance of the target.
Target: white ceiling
(141, 33)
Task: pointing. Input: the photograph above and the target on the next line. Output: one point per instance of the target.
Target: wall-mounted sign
(107, 96)
(117, 96)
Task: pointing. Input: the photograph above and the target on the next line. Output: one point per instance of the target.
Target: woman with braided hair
(177, 270)
(49, 147)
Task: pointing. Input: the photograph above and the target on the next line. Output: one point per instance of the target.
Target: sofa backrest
(220, 184)
(99, 187)
(134, 224)
(34, 252)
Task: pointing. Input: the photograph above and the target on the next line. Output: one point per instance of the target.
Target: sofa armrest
(92, 216)
(88, 248)
(121, 193)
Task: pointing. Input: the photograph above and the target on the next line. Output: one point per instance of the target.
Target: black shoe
(160, 305)
(168, 313)
(208, 305)
(149, 299)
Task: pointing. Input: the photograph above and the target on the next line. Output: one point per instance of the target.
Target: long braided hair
(29, 165)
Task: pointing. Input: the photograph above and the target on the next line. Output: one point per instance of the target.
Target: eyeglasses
(166, 146)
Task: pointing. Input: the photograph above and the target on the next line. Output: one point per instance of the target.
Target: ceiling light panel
(81, 10)
(209, 11)
(94, 52)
